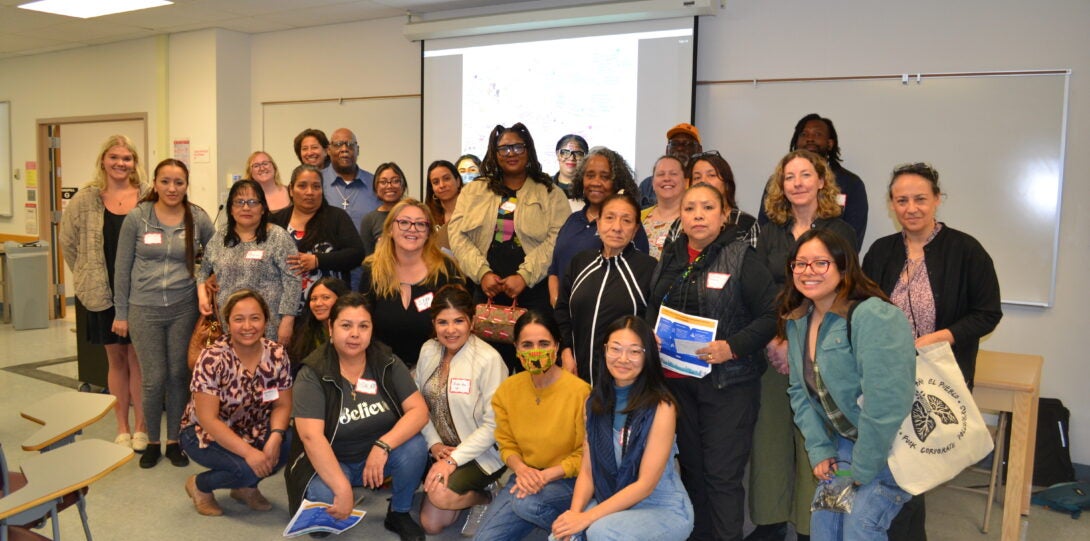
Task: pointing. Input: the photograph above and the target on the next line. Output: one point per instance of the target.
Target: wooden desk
(56, 473)
(1012, 382)
(64, 415)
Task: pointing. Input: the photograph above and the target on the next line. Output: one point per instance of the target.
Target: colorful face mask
(537, 361)
(469, 177)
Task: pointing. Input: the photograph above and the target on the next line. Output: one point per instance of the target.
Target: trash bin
(28, 284)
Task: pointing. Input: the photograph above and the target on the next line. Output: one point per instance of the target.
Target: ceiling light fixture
(86, 10)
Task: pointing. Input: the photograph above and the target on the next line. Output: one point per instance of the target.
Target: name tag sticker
(508, 206)
(255, 254)
(459, 385)
(366, 386)
(153, 238)
(842, 199)
(423, 302)
(716, 280)
(270, 394)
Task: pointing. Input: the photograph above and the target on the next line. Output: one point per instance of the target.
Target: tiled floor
(131, 503)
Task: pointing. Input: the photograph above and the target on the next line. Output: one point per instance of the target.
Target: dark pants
(908, 525)
(225, 469)
(714, 438)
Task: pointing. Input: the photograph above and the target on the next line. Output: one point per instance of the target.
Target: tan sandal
(205, 502)
(252, 497)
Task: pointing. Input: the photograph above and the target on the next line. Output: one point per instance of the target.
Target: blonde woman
(260, 167)
(90, 230)
(402, 276)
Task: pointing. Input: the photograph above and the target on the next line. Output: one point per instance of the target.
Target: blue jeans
(513, 518)
(875, 505)
(225, 469)
(405, 464)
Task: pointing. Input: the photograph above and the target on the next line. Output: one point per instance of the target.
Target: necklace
(345, 200)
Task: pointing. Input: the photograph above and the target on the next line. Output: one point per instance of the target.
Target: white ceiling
(25, 32)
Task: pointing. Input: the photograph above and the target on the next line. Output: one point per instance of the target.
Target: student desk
(64, 415)
(1012, 382)
(51, 475)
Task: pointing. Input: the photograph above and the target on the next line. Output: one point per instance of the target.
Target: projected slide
(620, 86)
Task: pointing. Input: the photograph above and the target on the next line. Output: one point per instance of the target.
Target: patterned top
(243, 407)
(435, 395)
(912, 293)
(657, 231)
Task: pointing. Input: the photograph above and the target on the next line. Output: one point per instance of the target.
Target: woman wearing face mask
(261, 168)
(469, 167)
(156, 298)
(323, 234)
(458, 373)
(313, 329)
(540, 431)
(442, 196)
(601, 286)
(570, 151)
(389, 187)
(711, 272)
(602, 174)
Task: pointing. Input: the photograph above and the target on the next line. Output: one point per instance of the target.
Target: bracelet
(283, 433)
(384, 446)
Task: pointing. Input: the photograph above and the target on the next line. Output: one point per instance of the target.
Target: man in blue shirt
(350, 187)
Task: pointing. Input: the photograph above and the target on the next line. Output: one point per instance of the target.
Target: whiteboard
(388, 129)
(997, 142)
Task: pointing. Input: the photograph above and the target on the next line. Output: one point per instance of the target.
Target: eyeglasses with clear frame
(817, 266)
(615, 352)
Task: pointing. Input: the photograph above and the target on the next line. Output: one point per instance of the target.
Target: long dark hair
(429, 193)
(317, 224)
(490, 167)
(153, 196)
(833, 156)
(854, 285)
(648, 390)
(230, 237)
(310, 329)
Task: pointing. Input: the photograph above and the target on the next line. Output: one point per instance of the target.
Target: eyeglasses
(389, 182)
(406, 225)
(705, 154)
(817, 266)
(242, 203)
(516, 149)
(566, 153)
(342, 144)
(260, 165)
(615, 352)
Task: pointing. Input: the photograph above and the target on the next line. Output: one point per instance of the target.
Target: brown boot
(252, 498)
(205, 502)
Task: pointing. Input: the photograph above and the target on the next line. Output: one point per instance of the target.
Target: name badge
(423, 302)
(842, 199)
(153, 238)
(508, 206)
(716, 280)
(255, 254)
(459, 385)
(366, 386)
(270, 394)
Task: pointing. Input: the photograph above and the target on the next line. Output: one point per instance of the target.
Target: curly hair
(490, 167)
(776, 204)
(384, 281)
(624, 180)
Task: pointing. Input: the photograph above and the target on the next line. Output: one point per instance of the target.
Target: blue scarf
(608, 476)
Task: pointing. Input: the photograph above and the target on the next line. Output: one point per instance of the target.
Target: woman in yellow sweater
(539, 428)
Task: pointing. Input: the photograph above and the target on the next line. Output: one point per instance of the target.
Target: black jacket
(330, 235)
(744, 307)
(962, 279)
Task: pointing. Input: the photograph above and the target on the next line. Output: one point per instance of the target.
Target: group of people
(350, 356)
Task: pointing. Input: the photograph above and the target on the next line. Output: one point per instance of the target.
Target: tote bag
(944, 433)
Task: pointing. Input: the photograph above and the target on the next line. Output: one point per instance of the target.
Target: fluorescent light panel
(85, 9)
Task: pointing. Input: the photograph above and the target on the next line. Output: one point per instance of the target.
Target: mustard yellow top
(547, 433)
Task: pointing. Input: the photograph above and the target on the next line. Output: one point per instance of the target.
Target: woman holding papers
(850, 388)
(237, 418)
(710, 285)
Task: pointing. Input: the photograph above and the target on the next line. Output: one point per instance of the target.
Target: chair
(18, 526)
(995, 477)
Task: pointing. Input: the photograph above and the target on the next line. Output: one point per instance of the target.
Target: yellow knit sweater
(547, 433)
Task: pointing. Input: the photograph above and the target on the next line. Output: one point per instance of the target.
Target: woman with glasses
(850, 391)
(252, 253)
(801, 195)
(570, 151)
(668, 182)
(400, 279)
(504, 227)
(942, 279)
(602, 285)
(389, 187)
(711, 272)
(261, 168)
(442, 192)
(602, 174)
(323, 234)
(628, 486)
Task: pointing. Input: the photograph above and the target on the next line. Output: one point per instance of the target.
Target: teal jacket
(874, 385)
